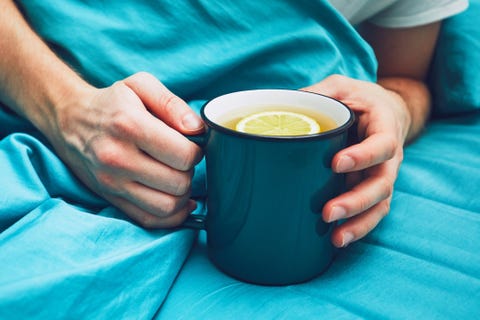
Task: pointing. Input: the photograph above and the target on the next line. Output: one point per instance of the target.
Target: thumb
(164, 104)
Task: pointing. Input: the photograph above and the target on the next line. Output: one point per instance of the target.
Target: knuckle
(392, 147)
(144, 75)
(377, 214)
(369, 226)
(117, 86)
(169, 205)
(137, 79)
(110, 155)
(123, 124)
(336, 77)
(170, 102)
(385, 208)
(182, 183)
(370, 157)
(363, 202)
(105, 179)
(189, 158)
(108, 183)
(152, 222)
(400, 155)
(148, 221)
(175, 221)
(386, 187)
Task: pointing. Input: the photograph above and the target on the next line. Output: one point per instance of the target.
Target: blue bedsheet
(70, 254)
(65, 253)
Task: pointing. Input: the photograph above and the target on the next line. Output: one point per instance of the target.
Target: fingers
(363, 196)
(139, 160)
(132, 124)
(153, 194)
(113, 171)
(364, 205)
(162, 139)
(164, 104)
(149, 191)
(159, 219)
(360, 225)
(161, 199)
(371, 165)
(166, 145)
(157, 203)
(374, 150)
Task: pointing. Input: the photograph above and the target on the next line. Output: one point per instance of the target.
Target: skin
(127, 143)
(390, 113)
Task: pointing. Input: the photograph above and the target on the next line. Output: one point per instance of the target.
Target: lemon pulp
(278, 123)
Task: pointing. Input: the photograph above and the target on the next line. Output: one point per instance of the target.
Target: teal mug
(265, 194)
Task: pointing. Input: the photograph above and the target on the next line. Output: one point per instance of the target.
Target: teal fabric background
(65, 253)
(454, 77)
(201, 49)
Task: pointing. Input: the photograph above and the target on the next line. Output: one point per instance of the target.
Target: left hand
(371, 165)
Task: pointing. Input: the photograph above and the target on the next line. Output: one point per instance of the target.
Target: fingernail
(344, 164)
(337, 213)
(192, 122)
(347, 239)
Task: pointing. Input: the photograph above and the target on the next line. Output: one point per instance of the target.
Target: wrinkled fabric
(64, 251)
(201, 49)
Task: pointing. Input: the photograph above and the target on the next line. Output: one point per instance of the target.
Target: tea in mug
(279, 121)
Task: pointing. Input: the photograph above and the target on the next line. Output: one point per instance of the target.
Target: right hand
(371, 166)
(125, 142)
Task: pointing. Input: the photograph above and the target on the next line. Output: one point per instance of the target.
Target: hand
(125, 143)
(371, 165)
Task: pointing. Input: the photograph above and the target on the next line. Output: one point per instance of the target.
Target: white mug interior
(243, 103)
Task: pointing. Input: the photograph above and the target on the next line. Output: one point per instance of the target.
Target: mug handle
(198, 139)
(196, 221)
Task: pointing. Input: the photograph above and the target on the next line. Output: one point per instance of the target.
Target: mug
(265, 194)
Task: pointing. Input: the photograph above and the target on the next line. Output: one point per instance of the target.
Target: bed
(65, 253)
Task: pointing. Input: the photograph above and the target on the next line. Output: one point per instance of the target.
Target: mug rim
(321, 135)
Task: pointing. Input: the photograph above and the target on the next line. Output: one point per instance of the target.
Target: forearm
(417, 99)
(33, 80)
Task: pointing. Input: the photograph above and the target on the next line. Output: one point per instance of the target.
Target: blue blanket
(66, 253)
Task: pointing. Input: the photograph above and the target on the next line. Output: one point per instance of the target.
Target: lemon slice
(278, 123)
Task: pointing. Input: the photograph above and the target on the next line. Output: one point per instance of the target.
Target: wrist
(63, 109)
(403, 115)
(34, 82)
(49, 108)
(415, 98)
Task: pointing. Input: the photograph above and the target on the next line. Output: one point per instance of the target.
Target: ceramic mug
(265, 194)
